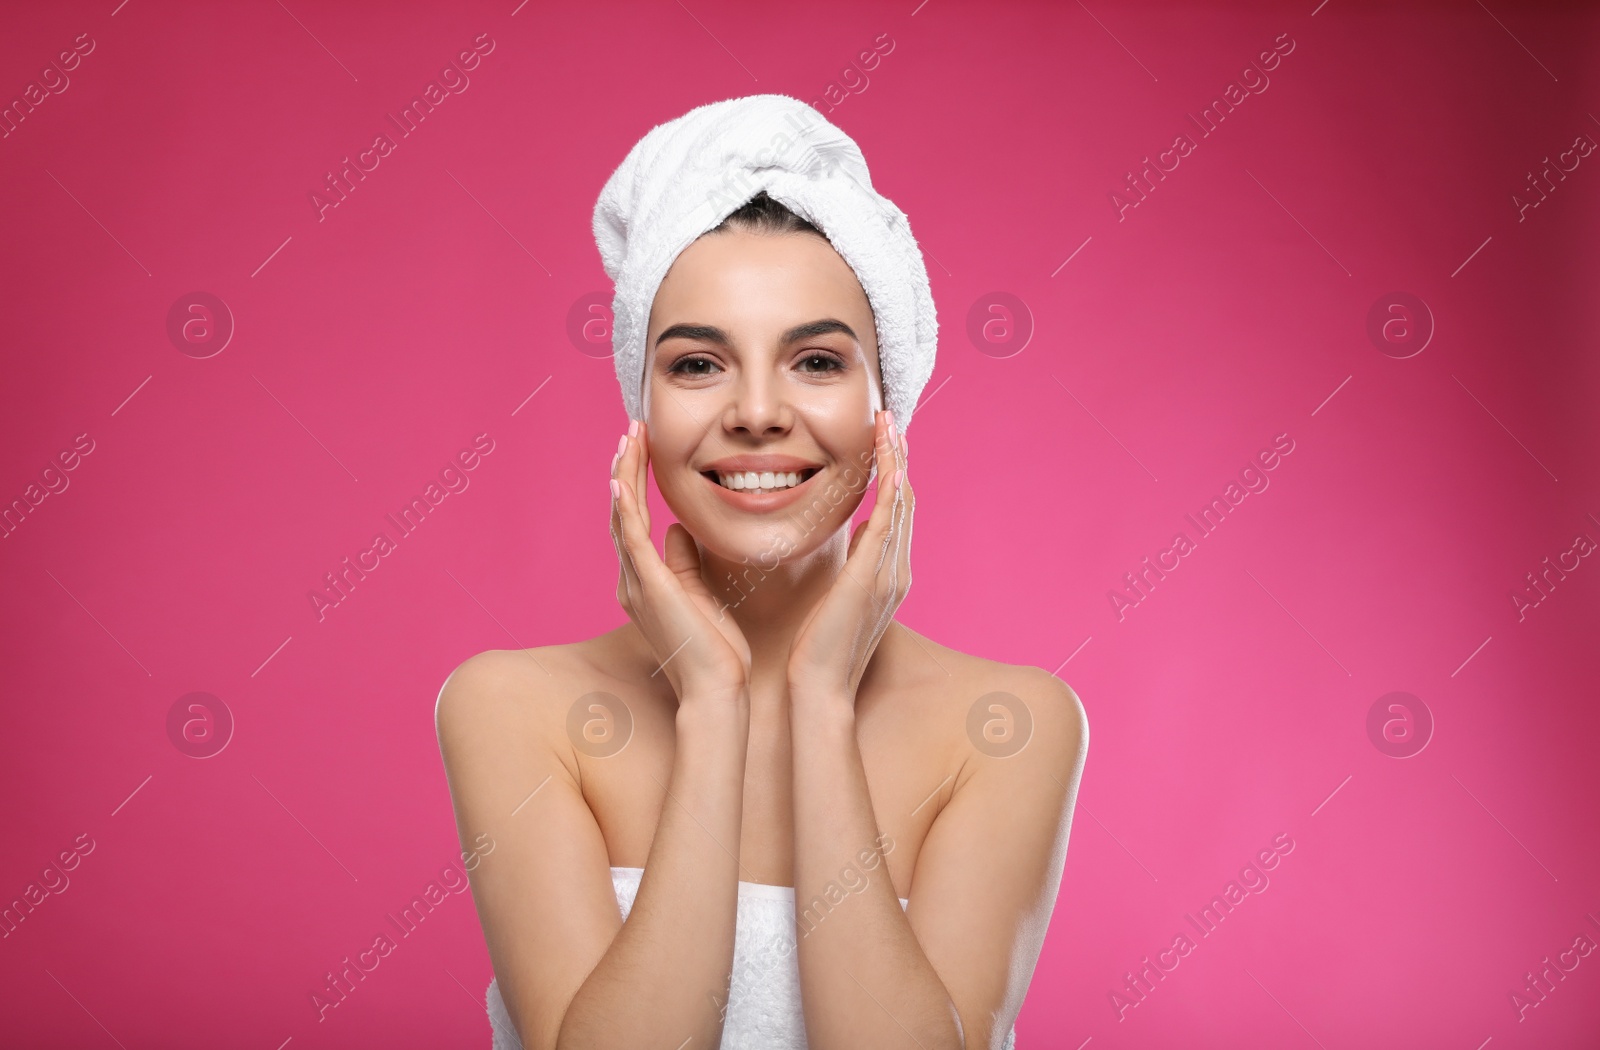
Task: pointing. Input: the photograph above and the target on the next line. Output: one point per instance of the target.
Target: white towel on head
(687, 175)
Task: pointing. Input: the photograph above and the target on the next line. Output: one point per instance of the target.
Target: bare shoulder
(980, 694)
(519, 692)
(503, 687)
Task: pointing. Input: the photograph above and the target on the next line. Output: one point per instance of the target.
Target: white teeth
(763, 481)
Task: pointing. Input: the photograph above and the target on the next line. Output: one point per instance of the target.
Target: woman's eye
(691, 366)
(829, 363)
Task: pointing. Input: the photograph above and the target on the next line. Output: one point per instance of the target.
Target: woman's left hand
(831, 651)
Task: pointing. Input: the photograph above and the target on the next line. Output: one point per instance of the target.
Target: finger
(899, 441)
(650, 579)
(625, 586)
(616, 508)
(897, 544)
(876, 532)
(886, 536)
(631, 468)
(888, 569)
(855, 539)
(641, 444)
(905, 501)
(635, 539)
(682, 559)
(627, 529)
(906, 505)
(902, 458)
(883, 446)
(628, 588)
(682, 556)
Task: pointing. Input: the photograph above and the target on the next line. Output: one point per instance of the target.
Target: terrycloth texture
(687, 175)
(764, 999)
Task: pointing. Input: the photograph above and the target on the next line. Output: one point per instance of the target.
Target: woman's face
(761, 360)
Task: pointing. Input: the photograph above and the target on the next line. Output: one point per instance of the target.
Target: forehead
(755, 286)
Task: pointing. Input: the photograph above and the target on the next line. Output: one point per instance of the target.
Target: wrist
(714, 713)
(822, 708)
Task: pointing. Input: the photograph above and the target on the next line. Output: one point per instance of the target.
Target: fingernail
(616, 488)
(904, 445)
(614, 461)
(622, 443)
(633, 428)
(894, 479)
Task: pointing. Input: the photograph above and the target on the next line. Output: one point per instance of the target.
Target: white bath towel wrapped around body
(763, 1009)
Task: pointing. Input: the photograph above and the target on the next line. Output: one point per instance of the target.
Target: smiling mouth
(759, 482)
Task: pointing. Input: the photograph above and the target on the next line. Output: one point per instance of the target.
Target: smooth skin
(785, 729)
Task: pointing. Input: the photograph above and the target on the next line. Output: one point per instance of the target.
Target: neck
(770, 605)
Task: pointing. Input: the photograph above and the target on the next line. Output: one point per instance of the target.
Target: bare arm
(953, 969)
(667, 970)
(571, 972)
(865, 981)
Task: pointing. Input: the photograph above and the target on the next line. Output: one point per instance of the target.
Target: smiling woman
(757, 272)
(767, 737)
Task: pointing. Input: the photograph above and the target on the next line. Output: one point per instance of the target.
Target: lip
(759, 463)
(756, 503)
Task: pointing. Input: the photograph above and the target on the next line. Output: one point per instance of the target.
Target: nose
(758, 404)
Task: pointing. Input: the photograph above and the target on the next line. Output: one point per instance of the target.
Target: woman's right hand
(697, 646)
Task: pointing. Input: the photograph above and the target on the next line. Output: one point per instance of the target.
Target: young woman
(762, 811)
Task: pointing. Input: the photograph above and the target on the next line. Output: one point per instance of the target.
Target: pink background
(1229, 307)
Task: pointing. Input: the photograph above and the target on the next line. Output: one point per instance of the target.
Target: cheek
(841, 423)
(848, 446)
(677, 427)
(669, 469)
(679, 486)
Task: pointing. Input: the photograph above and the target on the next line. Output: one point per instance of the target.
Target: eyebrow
(713, 334)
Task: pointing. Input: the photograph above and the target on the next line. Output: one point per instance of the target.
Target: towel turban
(687, 175)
